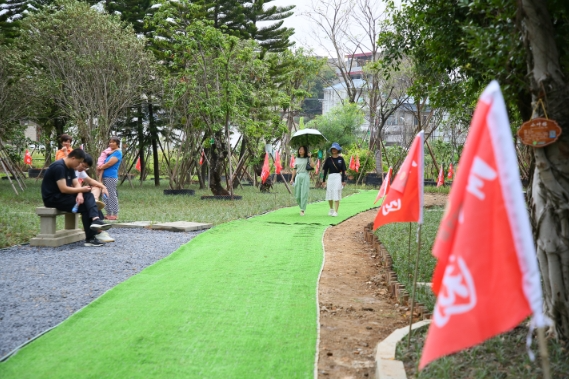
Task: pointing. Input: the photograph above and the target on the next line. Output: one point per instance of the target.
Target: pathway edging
(387, 367)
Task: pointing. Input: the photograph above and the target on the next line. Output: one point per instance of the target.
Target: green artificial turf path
(238, 301)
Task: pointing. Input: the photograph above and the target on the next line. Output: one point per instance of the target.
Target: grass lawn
(501, 357)
(19, 223)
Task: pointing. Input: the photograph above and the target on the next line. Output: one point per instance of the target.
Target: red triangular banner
(404, 201)
(486, 279)
(384, 189)
(441, 179)
(266, 171)
(278, 166)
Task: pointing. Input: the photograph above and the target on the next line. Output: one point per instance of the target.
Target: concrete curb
(386, 367)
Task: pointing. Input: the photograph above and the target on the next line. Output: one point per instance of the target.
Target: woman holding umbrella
(301, 178)
(336, 167)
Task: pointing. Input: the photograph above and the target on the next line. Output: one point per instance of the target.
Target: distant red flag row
(486, 279)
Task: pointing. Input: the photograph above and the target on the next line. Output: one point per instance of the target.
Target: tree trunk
(154, 139)
(549, 194)
(216, 165)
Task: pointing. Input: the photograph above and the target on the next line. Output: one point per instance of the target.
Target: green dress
(301, 183)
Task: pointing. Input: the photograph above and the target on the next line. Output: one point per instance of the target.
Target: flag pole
(414, 287)
(409, 249)
(543, 353)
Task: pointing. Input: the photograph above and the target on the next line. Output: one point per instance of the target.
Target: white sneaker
(331, 212)
(334, 214)
(104, 237)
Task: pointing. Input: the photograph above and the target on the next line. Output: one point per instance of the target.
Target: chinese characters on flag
(404, 201)
(486, 279)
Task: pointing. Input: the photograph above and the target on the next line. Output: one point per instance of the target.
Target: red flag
(278, 166)
(27, 158)
(292, 161)
(441, 180)
(357, 164)
(266, 169)
(486, 279)
(202, 155)
(404, 201)
(450, 171)
(138, 164)
(352, 163)
(317, 169)
(384, 186)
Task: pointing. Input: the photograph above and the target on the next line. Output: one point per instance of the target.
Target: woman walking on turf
(111, 178)
(301, 178)
(336, 167)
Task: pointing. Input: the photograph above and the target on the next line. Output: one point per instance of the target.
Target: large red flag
(384, 189)
(486, 279)
(292, 161)
(27, 158)
(278, 166)
(404, 201)
(266, 171)
(450, 171)
(352, 163)
(441, 179)
(137, 164)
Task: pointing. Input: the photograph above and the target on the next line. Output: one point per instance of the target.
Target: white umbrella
(307, 137)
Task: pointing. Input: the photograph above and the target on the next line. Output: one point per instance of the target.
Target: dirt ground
(356, 312)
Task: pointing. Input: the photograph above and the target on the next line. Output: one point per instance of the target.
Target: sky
(300, 24)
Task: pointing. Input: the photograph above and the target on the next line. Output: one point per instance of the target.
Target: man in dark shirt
(60, 189)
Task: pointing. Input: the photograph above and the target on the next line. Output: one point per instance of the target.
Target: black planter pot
(430, 182)
(373, 179)
(221, 197)
(286, 176)
(6, 178)
(35, 172)
(180, 192)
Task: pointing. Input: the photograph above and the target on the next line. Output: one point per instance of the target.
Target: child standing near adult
(335, 166)
(101, 161)
(111, 178)
(301, 178)
(66, 147)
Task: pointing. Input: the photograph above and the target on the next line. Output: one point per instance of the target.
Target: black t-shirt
(57, 170)
(334, 166)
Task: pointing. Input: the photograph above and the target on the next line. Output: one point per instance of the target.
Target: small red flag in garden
(278, 166)
(404, 201)
(357, 165)
(352, 163)
(138, 164)
(266, 169)
(450, 171)
(317, 169)
(27, 158)
(486, 279)
(202, 157)
(384, 189)
(441, 179)
(292, 161)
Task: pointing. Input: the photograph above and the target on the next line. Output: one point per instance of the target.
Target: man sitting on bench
(60, 189)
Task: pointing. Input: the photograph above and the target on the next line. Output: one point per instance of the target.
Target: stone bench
(49, 235)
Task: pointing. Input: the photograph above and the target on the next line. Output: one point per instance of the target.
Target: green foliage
(497, 358)
(340, 125)
(367, 160)
(92, 64)
(392, 156)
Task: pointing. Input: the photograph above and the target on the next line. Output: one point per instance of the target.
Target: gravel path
(42, 286)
